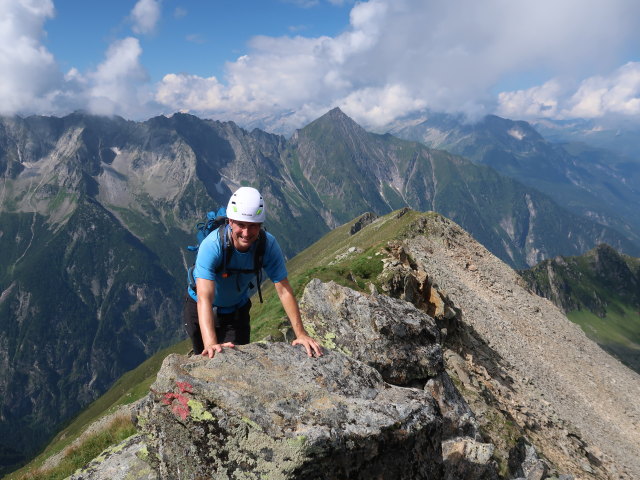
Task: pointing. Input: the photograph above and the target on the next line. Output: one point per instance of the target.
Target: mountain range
(621, 137)
(590, 181)
(96, 212)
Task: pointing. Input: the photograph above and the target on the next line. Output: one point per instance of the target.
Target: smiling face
(244, 234)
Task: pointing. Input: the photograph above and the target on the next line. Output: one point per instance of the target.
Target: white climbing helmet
(246, 205)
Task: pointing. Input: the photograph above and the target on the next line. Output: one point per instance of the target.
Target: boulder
(124, 461)
(524, 461)
(458, 418)
(391, 335)
(402, 343)
(270, 411)
(468, 459)
(363, 221)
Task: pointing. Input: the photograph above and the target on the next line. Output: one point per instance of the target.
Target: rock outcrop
(391, 335)
(125, 461)
(269, 411)
(518, 358)
(403, 344)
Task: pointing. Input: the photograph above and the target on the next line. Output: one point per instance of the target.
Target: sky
(378, 60)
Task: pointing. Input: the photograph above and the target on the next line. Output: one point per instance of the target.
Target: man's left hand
(312, 347)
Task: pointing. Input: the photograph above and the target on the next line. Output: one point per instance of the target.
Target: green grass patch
(60, 197)
(618, 332)
(620, 325)
(355, 271)
(78, 456)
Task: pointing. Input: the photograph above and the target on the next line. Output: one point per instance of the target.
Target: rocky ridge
(574, 401)
(515, 390)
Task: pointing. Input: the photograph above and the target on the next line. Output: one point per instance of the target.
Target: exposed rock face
(458, 418)
(402, 343)
(391, 335)
(362, 222)
(576, 404)
(468, 459)
(524, 463)
(269, 411)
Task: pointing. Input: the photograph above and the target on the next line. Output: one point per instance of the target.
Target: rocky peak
(337, 114)
(333, 122)
(612, 268)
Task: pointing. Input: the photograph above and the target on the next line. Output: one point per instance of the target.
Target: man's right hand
(211, 350)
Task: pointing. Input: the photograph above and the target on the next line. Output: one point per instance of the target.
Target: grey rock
(269, 411)
(458, 418)
(362, 222)
(125, 461)
(391, 335)
(468, 459)
(524, 461)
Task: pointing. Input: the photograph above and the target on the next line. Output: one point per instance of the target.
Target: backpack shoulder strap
(226, 247)
(261, 247)
(258, 259)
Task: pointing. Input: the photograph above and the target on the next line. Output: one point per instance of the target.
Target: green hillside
(618, 332)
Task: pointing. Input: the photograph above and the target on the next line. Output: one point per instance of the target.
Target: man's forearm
(205, 290)
(296, 321)
(288, 299)
(290, 305)
(205, 319)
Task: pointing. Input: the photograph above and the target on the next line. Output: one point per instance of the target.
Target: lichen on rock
(278, 414)
(391, 335)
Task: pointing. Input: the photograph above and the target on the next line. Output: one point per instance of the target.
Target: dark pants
(230, 327)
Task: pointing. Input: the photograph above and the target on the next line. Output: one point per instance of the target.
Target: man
(217, 316)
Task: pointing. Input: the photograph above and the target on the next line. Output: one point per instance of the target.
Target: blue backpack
(218, 221)
(214, 220)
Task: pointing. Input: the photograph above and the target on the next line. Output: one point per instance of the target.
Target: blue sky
(379, 60)
(194, 36)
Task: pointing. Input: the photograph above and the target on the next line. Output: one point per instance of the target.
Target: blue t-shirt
(233, 292)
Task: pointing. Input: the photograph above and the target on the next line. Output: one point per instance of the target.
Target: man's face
(244, 234)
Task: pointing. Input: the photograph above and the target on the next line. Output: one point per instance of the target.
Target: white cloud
(535, 102)
(302, 3)
(118, 84)
(190, 92)
(30, 76)
(196, 38)
(406, 54)
(380, 106)
(395, 56)
(31, 81)
(297, 28)
(599, 96)
(145, 16)
(180, 12)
